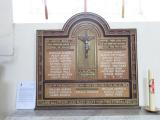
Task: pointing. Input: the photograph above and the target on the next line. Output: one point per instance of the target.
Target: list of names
(113, 59)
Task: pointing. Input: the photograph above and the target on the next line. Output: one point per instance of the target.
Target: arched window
(32, 11)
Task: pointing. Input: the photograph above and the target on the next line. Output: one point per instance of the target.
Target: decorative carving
(86, 64)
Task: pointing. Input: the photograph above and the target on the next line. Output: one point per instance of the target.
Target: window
(32, 11)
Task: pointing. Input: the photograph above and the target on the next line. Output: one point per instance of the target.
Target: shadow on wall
(145, 91)
(4, 95)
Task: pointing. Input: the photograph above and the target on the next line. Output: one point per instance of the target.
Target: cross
(85, 39)
(152, 86)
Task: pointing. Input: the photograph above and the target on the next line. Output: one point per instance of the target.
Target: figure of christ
(85, 39)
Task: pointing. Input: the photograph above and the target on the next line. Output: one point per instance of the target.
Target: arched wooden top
(86, 16)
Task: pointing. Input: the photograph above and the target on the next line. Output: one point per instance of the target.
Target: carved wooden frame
(41, 103)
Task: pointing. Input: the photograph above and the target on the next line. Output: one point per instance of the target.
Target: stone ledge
(105, 114)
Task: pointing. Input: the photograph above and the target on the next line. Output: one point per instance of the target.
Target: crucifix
(85, 39)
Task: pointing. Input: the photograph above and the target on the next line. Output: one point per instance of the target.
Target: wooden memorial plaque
(86, 64)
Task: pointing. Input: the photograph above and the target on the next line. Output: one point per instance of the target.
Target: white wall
(6, 49)
(22, 66)
(6, 28)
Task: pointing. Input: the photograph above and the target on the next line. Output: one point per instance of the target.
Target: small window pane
(32, 11)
